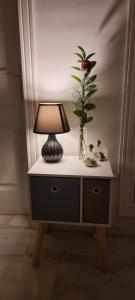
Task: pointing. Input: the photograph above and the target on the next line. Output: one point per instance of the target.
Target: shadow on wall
(115, 7)
(115, 51)
(112, 73)
(111, 82)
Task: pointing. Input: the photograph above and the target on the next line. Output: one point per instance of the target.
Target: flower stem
(83, 146)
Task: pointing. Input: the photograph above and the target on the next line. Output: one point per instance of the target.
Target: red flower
(86, 65)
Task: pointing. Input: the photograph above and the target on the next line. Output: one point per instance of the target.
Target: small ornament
(94, 154)
(89, 162)
(91, 148)
(102, 151)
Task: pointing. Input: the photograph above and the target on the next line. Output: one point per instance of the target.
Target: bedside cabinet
(68, 192)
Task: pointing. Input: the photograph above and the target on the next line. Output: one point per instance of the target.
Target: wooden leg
(47, 227)
(38, 243)
(102, 248)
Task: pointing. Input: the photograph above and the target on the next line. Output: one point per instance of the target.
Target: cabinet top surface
(70, 166)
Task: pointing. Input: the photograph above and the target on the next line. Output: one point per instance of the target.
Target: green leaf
(93, 63)
(82, 51)
(89, 119)
(76, 68)
(79, 61)
(79, 113)
(89, 106)
(90, 55)
(91, 87)
(76, 78)
(92, 78)
(79, 55)
(91, 93)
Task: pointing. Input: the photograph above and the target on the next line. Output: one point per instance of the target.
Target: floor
(68, 268)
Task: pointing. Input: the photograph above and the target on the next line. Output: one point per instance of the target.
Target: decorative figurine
(102, 151)
(91, 161)
(96, 154)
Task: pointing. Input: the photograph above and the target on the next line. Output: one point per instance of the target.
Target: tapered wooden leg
(102, 248)
(47, 227)
(38, 243)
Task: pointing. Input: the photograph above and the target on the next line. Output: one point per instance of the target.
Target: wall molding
(127, 146)
(27, 56)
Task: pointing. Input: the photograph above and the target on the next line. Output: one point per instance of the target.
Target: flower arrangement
(83, 92)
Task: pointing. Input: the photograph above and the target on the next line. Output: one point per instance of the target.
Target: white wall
(100, 27)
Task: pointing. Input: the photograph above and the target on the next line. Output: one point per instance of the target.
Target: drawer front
(55, 199)
(96, 201)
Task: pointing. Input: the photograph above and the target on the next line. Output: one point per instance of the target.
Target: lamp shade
(51, 119)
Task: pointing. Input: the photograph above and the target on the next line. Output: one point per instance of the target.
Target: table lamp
(51, 119)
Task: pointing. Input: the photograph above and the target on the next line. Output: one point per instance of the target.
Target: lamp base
(52, 150)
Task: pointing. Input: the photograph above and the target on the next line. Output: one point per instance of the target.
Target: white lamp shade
(51, 118)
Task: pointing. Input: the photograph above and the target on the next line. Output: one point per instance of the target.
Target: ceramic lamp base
(52, 150)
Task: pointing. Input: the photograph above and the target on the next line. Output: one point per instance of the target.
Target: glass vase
(82, 143)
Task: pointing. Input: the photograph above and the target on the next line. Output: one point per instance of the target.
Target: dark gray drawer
(55, 198)
(96, 201)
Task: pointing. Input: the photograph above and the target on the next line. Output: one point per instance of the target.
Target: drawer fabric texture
(96, 201)
(55, 198)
